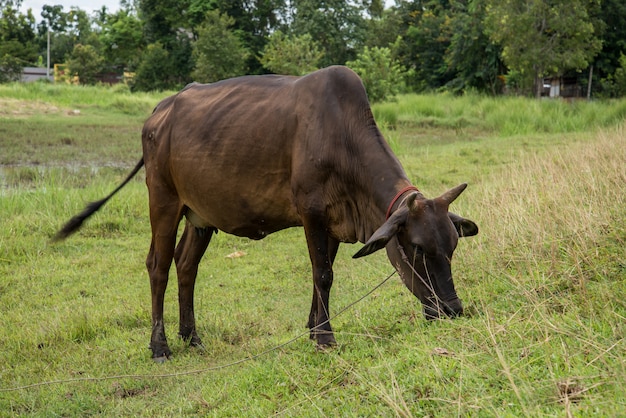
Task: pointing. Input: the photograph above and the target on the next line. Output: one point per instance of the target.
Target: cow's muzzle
(435, 309)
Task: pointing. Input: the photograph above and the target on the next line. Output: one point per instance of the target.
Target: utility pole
(48, 54)
(589, 82)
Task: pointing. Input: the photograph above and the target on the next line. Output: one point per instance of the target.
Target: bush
(10, 69)
(382, 75)
(86, 63)
(293, 55)
(153, 70)
(619, 77)
(218, 52)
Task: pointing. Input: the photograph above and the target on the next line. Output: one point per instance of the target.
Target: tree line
(488, 46)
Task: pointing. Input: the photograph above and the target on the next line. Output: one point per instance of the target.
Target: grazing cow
(253, 155)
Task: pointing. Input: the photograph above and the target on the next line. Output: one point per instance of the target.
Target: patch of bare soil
(15, 107)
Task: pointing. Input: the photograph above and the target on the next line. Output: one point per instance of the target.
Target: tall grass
(553, 255)
(117, 99)
(503, 116)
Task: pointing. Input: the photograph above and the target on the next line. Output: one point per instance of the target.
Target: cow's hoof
(192, 339)
(195, 341)
(325, 342)
(160, 360)
(160, 352)
(324, 348)
(198, 346)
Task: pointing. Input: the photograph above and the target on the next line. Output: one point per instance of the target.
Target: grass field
(543, 282)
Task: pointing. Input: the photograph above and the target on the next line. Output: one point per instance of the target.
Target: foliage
(10, 68)
(445, 45)
(615, 84)
(337, 25)
(153, 70)
(165, 22)
(471, 57)
(427, 38)
(382, 75)
(17, 38)
(122, 39)
(254, 22)
(543, 38)
(293, 55)
(612, 21)
(455, 45)
(383, 30)
(162, 19)
(86, 63)
(218, 52)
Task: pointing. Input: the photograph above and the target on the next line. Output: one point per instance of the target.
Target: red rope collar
(397, 196)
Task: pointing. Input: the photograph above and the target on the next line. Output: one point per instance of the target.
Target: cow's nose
(431, 312)
(452, 308)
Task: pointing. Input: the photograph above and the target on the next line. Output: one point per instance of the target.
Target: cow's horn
(453, 193)
(410, 201)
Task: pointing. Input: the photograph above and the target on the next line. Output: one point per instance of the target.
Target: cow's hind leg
(164, 219)
(189, 252)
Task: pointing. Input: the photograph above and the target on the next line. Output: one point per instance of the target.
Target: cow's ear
(383, 235)
(464, 227)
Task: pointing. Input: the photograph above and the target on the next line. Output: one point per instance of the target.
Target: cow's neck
(376, 178)
(386, 185)
(392, 205)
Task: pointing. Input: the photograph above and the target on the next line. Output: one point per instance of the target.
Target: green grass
(543, 282)
(501, 116)
(95, 100)
(52, 124)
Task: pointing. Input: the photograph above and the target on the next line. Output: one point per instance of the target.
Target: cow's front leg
(322, 251)
(313, 314)
(189, 252)
(333, 246)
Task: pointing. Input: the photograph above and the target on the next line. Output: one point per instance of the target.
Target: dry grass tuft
(556, 208)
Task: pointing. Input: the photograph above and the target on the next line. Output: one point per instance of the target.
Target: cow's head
(420, 237)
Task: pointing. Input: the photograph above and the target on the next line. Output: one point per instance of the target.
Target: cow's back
(237, 151)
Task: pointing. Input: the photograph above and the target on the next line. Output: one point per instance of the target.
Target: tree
(162, 20)
(294, 55)
(612, 16)
(382, 76)
(154, 71)
(425, 29)
(542, 38)
(80, 27)
(337, 25)
(472, 58)
(122, 39)
(86, 63)
(615, 83)
(55, 20)
(254, 21)
(17, 35)
(10, 68)
(383, 28)
(218, 53)
(166, 23)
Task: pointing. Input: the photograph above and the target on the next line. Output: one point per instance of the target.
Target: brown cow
(253, 155)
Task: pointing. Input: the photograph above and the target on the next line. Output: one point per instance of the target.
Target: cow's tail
(76, 222)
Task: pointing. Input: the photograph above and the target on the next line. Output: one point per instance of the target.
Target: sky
(87, 5)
